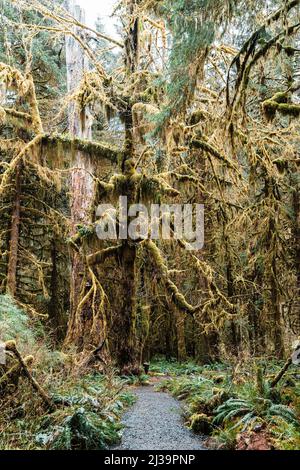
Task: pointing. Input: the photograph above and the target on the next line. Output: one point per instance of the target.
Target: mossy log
(201, 423)
(13, 374)
(12, 347)
(281, 373)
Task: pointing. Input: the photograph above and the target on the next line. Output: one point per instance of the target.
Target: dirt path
(155, 423)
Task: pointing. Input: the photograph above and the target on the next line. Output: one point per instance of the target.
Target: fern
(252, 409)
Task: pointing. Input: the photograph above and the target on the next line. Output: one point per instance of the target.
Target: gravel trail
(155, 423)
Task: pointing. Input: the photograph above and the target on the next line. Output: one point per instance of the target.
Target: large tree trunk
(126, 342)
(86, 327)
(81, 180)
(127, 354)
(296, 233)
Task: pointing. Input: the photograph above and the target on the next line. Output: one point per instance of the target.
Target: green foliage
(226, 437)
(192, 24)
(14, 323)
(87, 416)
(48, 63)
(131, 379)
(249, 410)
(89, 419)
(161, 366)
(286, 436)
(88, 408)
(82, 430)
(29, 335)
(221, 406)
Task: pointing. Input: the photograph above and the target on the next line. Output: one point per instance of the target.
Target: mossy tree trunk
(56, 312)
(296, 233)
(86, 327)
(168, 335)
(180, 333)
(127, 356)
(127, 353)
(257, 325)
(276, 323)
(81, 181)
(14, 235)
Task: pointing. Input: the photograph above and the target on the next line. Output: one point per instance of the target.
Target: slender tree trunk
(234, 336)
(127, 354)
(14, 236)
(180, 333)
(57, 316)
(277, 330)
(168, 335)
(277, 326)
(257, 324)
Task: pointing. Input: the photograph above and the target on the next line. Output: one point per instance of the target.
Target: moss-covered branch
(18, 118)
(176, 296)
(23, 85)
(206, 147)
(95, 149)
(279, 102)
(17, 159)
(100, 256)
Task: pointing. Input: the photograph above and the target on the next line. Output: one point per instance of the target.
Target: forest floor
(231, 406)
(226, 405)
(155, 422)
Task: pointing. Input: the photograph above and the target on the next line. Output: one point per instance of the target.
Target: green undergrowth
(88, 407)
(227, 402)
(163, 367)
(88, 415)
